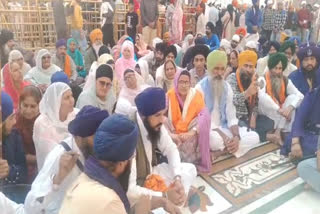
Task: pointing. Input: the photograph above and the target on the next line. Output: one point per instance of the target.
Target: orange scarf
(282, 94)
(196, 106)
(252, 98)
(67, 66)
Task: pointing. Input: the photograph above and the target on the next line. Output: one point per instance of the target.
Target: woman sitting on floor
(189, 122)
(134, 85)
(13, 82)
(51, 127)
(99, 91)
(26, 116)
(166, 78)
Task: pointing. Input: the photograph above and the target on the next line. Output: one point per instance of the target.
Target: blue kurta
(213, 42)
(304, 126)
(298, 79)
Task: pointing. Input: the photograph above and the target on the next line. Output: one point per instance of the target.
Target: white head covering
(155, 41)
(51, 101)
(236, 38)
(15, 55)
(40, 75)
(89, 95)
(252, 44)
(185, 44)
(91, 79)
(303, 2)
(130, 94)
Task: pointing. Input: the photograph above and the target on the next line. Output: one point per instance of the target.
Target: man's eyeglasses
(105, 84)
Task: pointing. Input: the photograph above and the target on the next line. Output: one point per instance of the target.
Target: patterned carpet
(247, 179)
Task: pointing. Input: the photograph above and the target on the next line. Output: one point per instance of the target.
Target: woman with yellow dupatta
(189, 122)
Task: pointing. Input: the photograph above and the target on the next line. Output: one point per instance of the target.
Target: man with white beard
(279, 98)
(225, 136)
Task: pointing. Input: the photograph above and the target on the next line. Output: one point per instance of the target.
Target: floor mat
(245, 180)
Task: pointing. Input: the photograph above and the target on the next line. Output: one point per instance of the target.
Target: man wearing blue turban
(156, 153)
(102, 187)
(64, 163)
(307, 77)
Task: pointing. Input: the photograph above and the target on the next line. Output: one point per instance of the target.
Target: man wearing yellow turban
(225, 135)
(245, 95)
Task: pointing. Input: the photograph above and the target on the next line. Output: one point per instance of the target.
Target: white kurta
(249, 139)
(262, 65)
(201, 24)
(43, 184)
(168, 171)
(269, 108)
(9, 207)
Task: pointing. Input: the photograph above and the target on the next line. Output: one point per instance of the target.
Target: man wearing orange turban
(244, 85)
(92, 53)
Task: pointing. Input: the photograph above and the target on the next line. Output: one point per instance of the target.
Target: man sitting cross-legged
(279, 97)
(225, 136)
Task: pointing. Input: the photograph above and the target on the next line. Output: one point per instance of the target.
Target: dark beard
(309, 74)
(153, 135)
(123, 179)
(245, 80)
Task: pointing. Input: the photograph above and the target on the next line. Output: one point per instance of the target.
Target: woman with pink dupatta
(176, 29)
(13, 82)
(127, 59)
(189, 122)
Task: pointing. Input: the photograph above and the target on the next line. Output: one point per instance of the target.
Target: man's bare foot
(274, 138)
(216, 154)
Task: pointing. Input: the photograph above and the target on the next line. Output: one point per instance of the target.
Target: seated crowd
(110, 132)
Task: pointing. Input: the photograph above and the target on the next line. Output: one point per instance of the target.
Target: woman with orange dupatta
(13, 82)
(189, 122)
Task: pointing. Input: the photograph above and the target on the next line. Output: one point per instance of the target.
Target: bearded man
(225, 136)
(157, 155)
(307, 77)
(245, 98)
(279, 98)
(64, 61)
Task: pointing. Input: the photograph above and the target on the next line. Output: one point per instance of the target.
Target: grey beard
(217, 88)
(276, 86)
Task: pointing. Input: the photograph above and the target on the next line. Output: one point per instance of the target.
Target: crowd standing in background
(129, 124)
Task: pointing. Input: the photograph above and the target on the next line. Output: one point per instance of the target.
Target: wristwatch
(237, 136)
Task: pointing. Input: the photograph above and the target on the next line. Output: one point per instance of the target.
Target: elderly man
(63, 164)
(156, 154)
(226, 136)
(156, 58)
(92, 53)
(235, 43)
(308, 75)
(7, 44)
(289, 49)
(302, 142)
(64, 61)
(245, 98)
(279, 98)
(199, 57)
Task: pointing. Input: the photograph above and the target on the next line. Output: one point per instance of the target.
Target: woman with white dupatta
(40, 75)
(133, 85)
(51, 127)
(98, 90)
